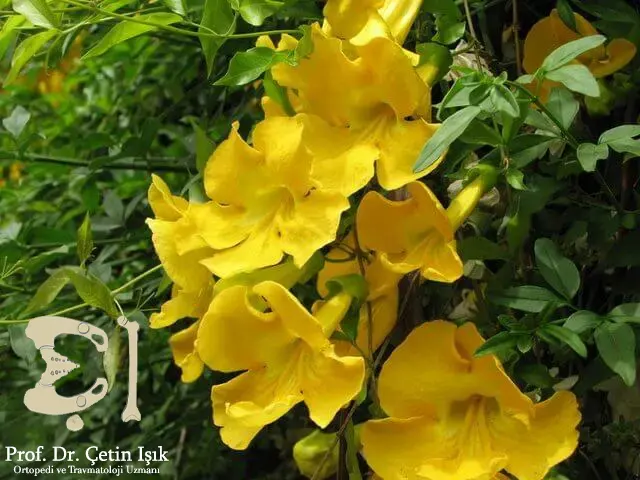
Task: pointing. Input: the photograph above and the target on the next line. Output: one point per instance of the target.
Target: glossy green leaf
(25, 51)
(449, 29)
(84, 244)
(435, 59)
(621, 132)
(448, 132)
(218, 19)
(247, 66)
(625, 313)
(92, 291)
(498, 343)
(589, 154)
(37, 12)
(255, 12)
(125, 30)
(582, 321)
(576, 78)
(47, 291)
(563, 335)
(616, 344)
(559, 272)
(528, 298)
(504, 101)
(569, 51)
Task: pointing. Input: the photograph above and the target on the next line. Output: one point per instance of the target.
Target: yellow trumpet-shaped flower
(361, 20)
(371, 108)
(453, 416)
(15, 171)
(269, 200)
(287, 356)
(551, 33)
(417, 234)
(185, 356)
(383, 296)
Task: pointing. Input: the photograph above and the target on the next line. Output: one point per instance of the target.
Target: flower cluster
(358, 116)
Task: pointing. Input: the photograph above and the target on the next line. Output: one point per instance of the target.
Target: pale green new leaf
(25, 51)
(569, 51)
(126, 30)
(576, 78)
(37, 12)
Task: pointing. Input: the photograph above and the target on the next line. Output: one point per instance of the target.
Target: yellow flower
(453, 416)
(361, 20)
(371, 108)
(287, 357)
(185, 356)
(176, 239)
(269, 200)
(417, 234)
(383, 296)
(551, 33)
(15, 171)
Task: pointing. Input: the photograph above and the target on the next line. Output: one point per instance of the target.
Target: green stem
(176, 30)
(83, 305)
(41, 158)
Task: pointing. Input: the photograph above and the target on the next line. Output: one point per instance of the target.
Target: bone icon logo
(44, 399)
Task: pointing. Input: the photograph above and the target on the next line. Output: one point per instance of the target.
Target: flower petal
(294, 317)
(348, 17)
(399, 150)
(395, 448)
(234, 336)
(245, 404)
(329, 382)
(185, 269)
(184, 353)
(165, 206)
(182, 304)
(219, 227)
(340, 160)
(310, 223)
(447, 374)
(396, 228)
(620, 52)
(550, 438)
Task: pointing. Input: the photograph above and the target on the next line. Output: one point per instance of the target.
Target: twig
(516, 36)
(467, 12)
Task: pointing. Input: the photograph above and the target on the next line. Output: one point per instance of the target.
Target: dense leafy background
(149, 105)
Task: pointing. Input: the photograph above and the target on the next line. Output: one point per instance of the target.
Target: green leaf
(563, 335)
(204, 147)
(247, 66)
(625, 313)
(448, 132)
(515, 178)
(85, 240)
(125, 30)
(569, 51)
(92, 291)
(113, 206)
(449, 29)
(111, 358)
(480, 248)
(504, 101)
(355, 286)
(624, 252)
(528, 147)
(9, 32)
(37, 12)
(22, 345)
(536, 375)
(25, 51)
(627, 145)
(528, 298)
(255, 12)
(557, 270)
(622, 132)
(564, 106)
(277, 93)
(443, 7)
(498, 343)
(47, 291)
(176, 6)
(16, 122)
(582, 321)
(304, 47)
(479, 133)
(566, 14)
(437, 57)
(590, 153)
(616, 344)
(219, 18)
(576, 78)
